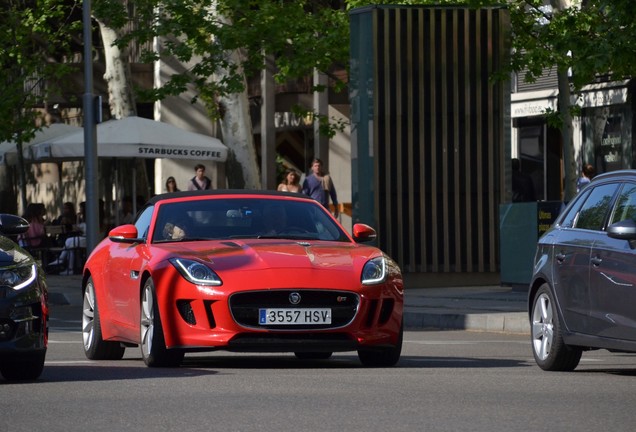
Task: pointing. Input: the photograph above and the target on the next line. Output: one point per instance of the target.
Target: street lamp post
(90, 135)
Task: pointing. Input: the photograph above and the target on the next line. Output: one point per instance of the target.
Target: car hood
(273, 254)
(11, 253)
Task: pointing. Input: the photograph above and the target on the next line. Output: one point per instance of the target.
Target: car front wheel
(95, 347)
(550, 351)
(23, 367)
(382, 357)
(153, 345)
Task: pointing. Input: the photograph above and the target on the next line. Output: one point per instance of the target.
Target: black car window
(625, 205)
(245, 218)
(594, 211)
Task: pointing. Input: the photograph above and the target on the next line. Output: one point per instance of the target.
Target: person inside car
(174, 231)
(274, 219)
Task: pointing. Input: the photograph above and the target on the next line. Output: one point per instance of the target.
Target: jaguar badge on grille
(294, 298)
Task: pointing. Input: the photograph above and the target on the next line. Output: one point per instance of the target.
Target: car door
(613, 276)
(570, 268)
(124, 267)
(581, 227)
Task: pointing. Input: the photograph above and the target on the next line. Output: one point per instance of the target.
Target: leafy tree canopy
(590, 37)
(34, 38)
(297, 34)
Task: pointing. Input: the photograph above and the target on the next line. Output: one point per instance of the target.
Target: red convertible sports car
(242, 271)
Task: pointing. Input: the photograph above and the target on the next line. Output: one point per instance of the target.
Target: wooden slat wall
(440, 125)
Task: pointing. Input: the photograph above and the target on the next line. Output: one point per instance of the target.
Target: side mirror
(625, 230)
(363, 233)
(12, 224)
(125, 234)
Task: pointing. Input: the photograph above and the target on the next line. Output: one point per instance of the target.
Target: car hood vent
(231, 244)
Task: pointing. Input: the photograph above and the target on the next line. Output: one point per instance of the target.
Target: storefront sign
(179, 153)
(547, 212)
(611, 143)
(603, 97)
(291, 120)
(533, 107)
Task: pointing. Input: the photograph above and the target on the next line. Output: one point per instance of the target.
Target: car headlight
(18, 277)
(196, 272)
(374, 271)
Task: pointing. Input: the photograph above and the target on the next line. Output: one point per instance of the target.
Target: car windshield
(236, 218)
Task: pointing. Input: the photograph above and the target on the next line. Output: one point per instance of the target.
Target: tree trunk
(22, 183)
(570, 172)
(118, 77)
(121, 97)
(236, 125)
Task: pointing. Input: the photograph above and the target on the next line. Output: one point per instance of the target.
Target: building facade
(602, 132)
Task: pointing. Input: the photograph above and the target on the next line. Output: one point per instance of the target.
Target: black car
(23, 306)
(583, 291)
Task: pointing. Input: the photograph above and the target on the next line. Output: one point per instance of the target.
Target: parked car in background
(243, 271)
(583, 291)
(23, 306)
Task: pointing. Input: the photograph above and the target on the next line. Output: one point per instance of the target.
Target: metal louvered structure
(431, 133)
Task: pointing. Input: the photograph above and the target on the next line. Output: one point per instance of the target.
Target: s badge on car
(294, 298)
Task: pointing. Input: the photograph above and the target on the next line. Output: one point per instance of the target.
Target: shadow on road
(134, 369)
(103, 372)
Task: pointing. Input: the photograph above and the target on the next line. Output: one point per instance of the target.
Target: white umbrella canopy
(8, 149)
(134, 137)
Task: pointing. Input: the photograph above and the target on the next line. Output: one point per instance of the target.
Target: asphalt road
(445, 381)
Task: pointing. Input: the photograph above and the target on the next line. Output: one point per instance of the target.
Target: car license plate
(291, 316)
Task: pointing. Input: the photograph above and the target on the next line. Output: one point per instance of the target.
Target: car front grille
(245, 306)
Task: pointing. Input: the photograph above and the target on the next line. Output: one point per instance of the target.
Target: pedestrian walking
(320, 187)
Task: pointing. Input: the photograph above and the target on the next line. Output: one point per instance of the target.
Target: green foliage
(593, 37)
(298, 35)
(34, 39)
(112, 12)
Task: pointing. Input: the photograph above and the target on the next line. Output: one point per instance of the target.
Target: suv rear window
(595, 208)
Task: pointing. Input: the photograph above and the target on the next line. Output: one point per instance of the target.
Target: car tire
(382, 357)
(549, 350)
(95, 347)
(23, 367)
(153, 345)
(313, 355)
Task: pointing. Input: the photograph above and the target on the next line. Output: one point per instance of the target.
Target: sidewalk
(482, 308)
(64, 290)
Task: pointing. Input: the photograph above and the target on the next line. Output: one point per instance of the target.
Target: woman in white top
(291, 181)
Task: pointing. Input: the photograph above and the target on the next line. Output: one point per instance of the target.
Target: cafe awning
(134, 137)
(8, 149)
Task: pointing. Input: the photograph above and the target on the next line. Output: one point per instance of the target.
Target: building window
(607, 138)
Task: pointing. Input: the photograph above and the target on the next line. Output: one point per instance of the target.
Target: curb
(444, 309)
(490, 322)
